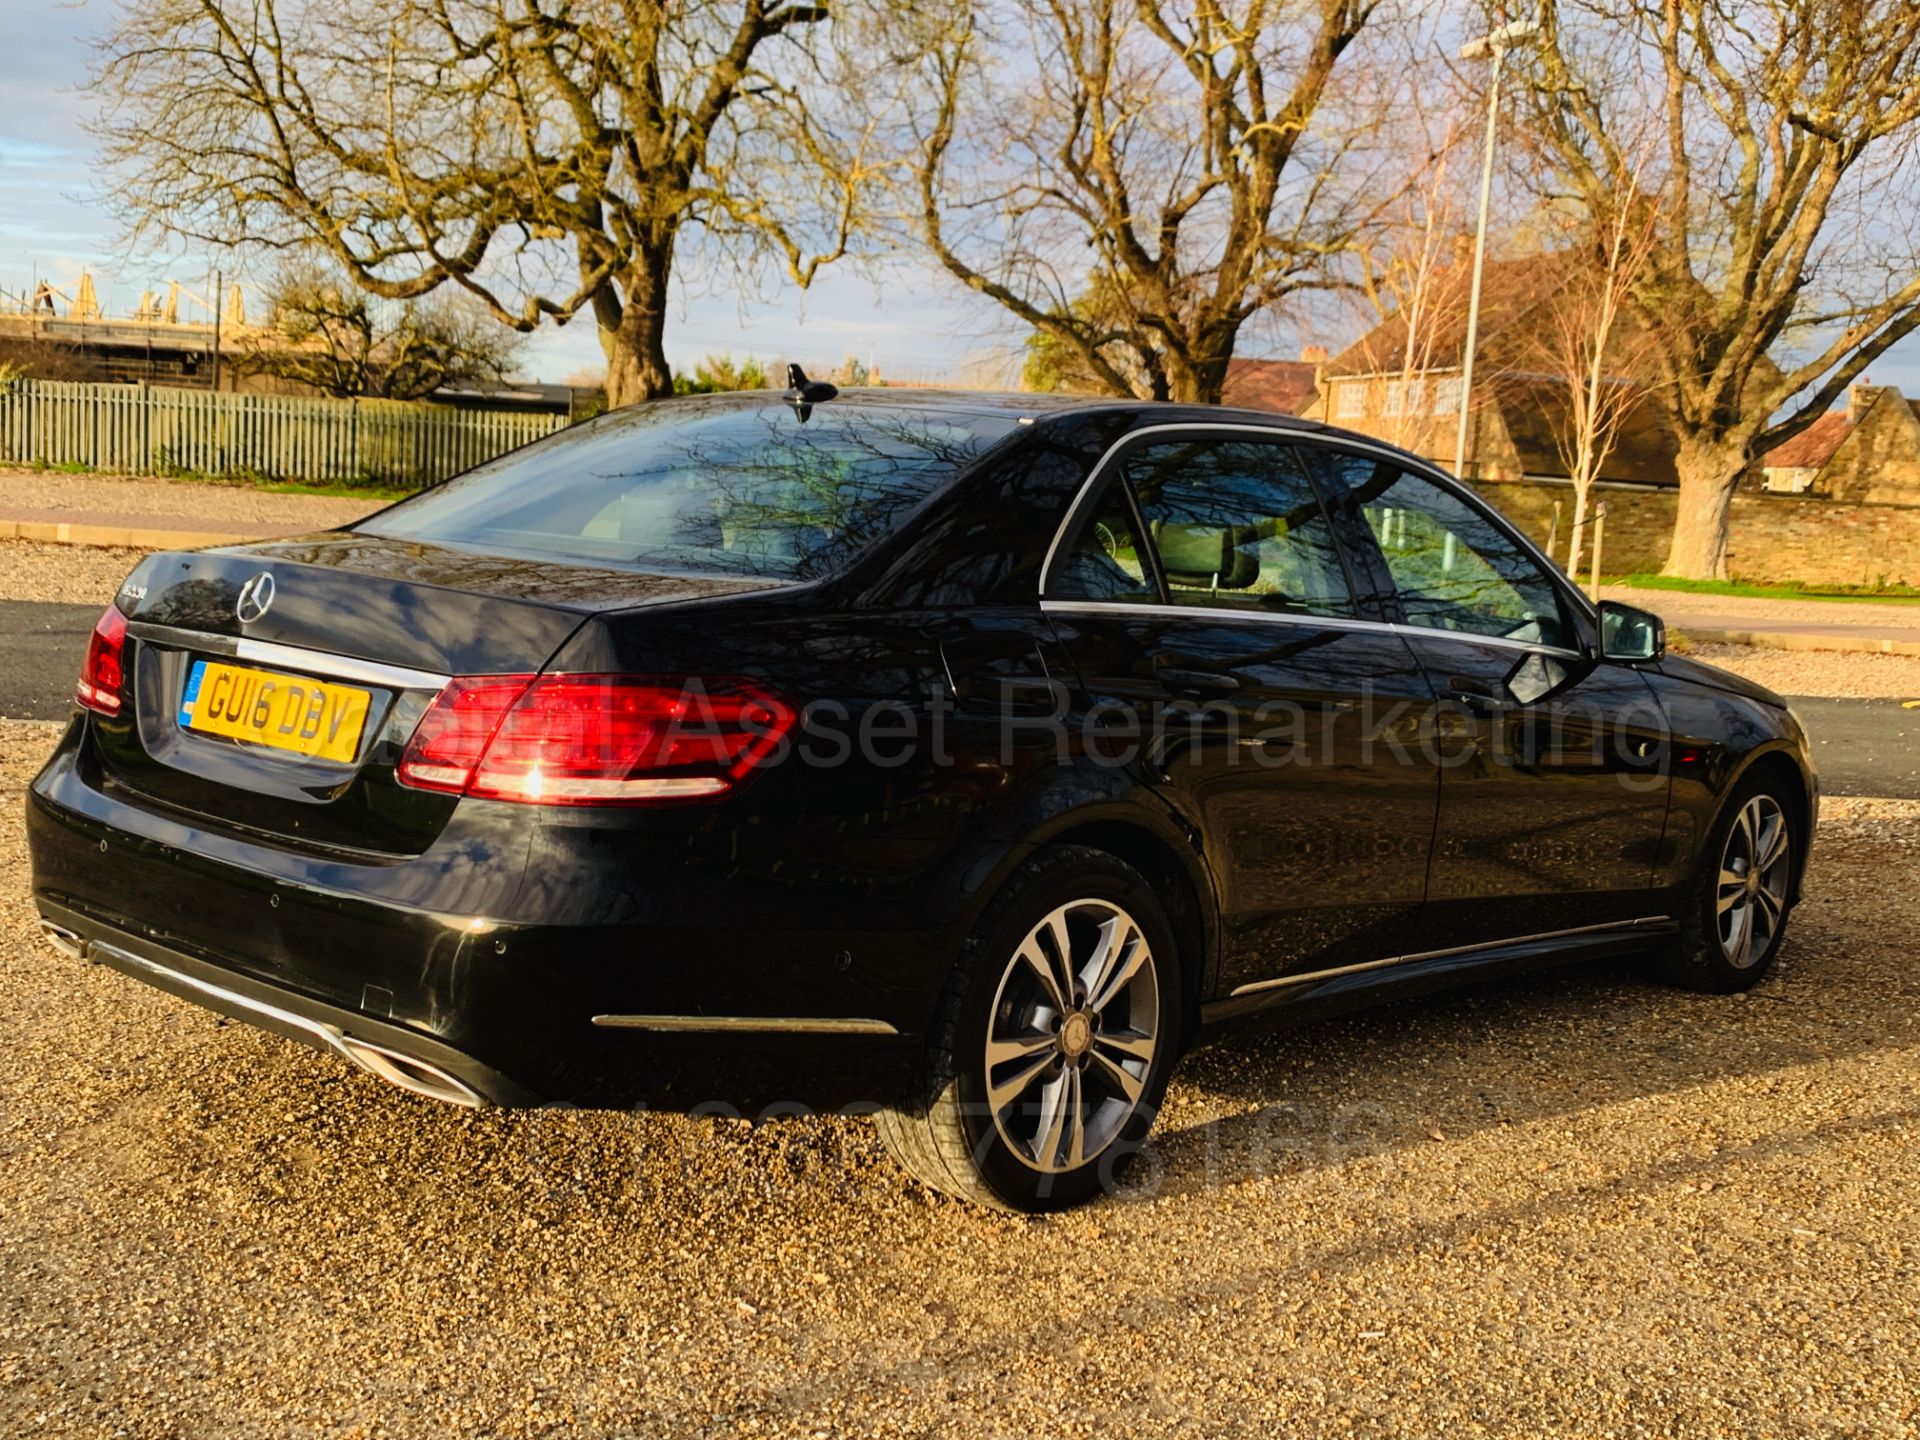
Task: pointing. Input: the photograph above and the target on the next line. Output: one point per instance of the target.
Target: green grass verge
(384, 494)
(371, 491)
(1752, 590)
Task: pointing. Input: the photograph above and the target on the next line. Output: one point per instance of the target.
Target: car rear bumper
(393, 1053)
(484, 1006)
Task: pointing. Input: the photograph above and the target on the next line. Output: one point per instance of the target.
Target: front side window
(743, 487)
(1237, 525)
(1454, 567)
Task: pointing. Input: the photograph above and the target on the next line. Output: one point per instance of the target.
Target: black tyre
(1051, 1046)
(1736, 911)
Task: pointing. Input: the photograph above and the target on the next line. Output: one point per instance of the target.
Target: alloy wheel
(1073, 1036)
(1750, 901)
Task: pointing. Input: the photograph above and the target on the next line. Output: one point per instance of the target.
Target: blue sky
(914, 321)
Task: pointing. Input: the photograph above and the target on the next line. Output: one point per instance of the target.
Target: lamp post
(1496, 44)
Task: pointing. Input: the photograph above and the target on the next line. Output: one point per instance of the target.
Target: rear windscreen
(743, 486)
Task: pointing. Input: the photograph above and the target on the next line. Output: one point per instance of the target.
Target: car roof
(1033, 408)
(1025, 404)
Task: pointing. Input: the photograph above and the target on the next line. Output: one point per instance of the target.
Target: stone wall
(1639, 521)
(1773, 538)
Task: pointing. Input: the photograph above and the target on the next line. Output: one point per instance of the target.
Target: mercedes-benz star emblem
(256, 598)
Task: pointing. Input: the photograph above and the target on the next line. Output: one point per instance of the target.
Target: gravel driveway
(1839, 673)
(1574, 1204)
(204, 501)
(64, 574)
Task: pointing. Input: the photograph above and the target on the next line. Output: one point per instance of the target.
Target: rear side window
(1237, 525)
(1106, 560)
(743, 487)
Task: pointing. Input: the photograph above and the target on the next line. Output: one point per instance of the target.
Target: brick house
(1286, 387)
(1870, 451)
(1517, 406)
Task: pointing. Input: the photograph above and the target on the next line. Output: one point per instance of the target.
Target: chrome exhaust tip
(406, 1071)
(63, 939)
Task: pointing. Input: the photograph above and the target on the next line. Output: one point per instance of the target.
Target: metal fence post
(1599, 538)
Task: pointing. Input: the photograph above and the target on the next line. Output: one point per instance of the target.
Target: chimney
(1313, 354)
(1860, 398)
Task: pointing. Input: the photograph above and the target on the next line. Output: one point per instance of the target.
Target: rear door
(1553, 789)
(1227, 650)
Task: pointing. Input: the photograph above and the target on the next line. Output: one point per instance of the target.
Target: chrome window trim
(1328, 438)
(1318, 622)
(268, 652)
(1209, 612)
(1532, 647)
(1279, 982)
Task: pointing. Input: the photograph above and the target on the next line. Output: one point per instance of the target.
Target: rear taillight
(103, 672)
(593, 739)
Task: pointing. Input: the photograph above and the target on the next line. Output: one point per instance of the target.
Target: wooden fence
(152, 429)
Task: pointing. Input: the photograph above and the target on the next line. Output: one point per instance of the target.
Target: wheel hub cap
(1076, 1036)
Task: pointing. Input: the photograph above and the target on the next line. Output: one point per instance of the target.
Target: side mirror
(1629, 634)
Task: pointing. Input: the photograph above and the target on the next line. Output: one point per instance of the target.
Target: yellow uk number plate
(282, 712)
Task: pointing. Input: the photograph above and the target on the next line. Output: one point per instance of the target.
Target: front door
(1553, 790)
(1204, 589)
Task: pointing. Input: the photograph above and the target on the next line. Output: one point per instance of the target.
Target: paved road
(41, 646)
(1863, 747)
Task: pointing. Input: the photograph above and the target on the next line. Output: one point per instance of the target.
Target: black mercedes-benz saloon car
(996, 745)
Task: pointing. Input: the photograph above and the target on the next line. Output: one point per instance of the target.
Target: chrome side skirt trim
(1624, 927)
(745, 1025)
(406, 1071)
(294, 657)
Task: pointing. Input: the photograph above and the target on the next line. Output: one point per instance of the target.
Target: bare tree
(1159, 156)
(1783, 264)
(1414, 284)
(328, 334)
(1593, 350)
(547, 157)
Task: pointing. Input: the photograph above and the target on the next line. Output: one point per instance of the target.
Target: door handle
(1476, 695)
(1200, 684)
